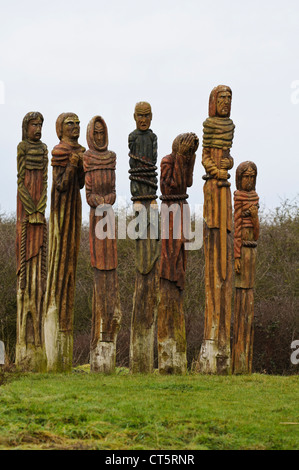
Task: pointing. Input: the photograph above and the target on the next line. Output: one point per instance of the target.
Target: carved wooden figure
(143, 176)
(31, 243)
(176, 177)
(99, 166)
(64, 240)
(246, 233)
(218, 132)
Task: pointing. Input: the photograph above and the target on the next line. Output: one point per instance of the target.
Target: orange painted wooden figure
(176, 177)
(99, 167)
(218, 133)
(31, 243)
(64, 241)
(246, 204)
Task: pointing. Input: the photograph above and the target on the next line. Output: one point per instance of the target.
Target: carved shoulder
(45, 149)
(21, 149)
(132, 137)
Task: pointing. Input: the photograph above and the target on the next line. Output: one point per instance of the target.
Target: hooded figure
(64, 241)
(99, 166)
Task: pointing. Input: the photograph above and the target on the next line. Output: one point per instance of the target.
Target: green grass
(124, 412)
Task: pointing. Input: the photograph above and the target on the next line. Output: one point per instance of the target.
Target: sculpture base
(242, 350)
(214, 356)
(171, 361)
(31, 358)
(144, 314)
(58, 343)
(30, 353)
(102, 357)
(106, 318)
(213, 359)
(172, 351)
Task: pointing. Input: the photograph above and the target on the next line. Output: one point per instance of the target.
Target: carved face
(34, 129)
(248, 180)
(71, 128)
(143, 116)
(224, 99)
(99, 134)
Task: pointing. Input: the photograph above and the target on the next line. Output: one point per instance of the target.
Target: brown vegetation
(276, 319)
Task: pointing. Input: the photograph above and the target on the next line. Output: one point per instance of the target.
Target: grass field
(123, 412)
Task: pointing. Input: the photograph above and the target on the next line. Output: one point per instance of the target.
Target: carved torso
(143, 146)
(32, 165)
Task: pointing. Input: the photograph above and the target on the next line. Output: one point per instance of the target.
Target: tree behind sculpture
(99, 167)
(64, 240)
(246, 203)
(31, 243)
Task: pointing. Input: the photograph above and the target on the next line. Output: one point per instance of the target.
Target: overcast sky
(99, 57)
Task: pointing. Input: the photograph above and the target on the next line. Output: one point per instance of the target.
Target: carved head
(220, 101)
(32, 126)
(97, 134)
(246, 174)
(68, 127)
(143, 115)
(191, 140)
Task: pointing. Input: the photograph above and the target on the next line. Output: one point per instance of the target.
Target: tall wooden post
(246, 203)
(143, 176)
(218, 135)
(99, 167)
(176, 177)
(64, 241)
(31, 244)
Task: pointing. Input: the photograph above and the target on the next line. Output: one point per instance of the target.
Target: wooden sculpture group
(46, 262)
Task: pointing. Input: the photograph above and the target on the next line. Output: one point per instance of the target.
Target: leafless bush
(276, 293)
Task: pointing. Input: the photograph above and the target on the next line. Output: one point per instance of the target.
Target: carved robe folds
(142, 143)
(246, 234)
(99, 167)
(64, 241)
(176, 177)
(218, 132)
(218, 248)
(31, 246)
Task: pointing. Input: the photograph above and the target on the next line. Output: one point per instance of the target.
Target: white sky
(99, 57)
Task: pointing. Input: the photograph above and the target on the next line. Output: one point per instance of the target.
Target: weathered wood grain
(64, 241)
(31, 244)
(246, 203)
(176, 176)
(218, 132)
(99, 167)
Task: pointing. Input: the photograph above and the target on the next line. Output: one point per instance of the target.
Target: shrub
(276, 293)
